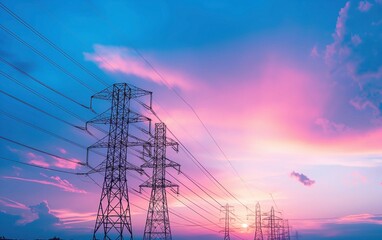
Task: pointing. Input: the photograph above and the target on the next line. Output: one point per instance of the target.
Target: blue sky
(291, 92)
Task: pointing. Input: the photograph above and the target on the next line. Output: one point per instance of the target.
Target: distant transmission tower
(286, 232)
(227, 209)
(113, 217)
(158, 223)
(258, 230)
(271, 225)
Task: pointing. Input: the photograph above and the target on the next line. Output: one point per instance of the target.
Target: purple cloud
(364, 6)
(302, 178)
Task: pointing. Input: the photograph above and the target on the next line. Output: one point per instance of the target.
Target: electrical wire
(42, 83)
(42, 111)
(41, 151)
(41, 167)
(46, 58)
(57, 48)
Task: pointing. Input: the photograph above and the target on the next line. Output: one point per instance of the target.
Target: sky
(279, 100)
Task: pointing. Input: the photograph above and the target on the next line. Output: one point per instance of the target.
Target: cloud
(58, 162)
(62, 150)
(302, 178)
(68, 217)
(334, 49)
(364, 6)
(45, 224)
(314, 52)
(124, 60)
(12, 204)
(52, 181)
(37, 160)
(61, 163)
(356, 226)
(356, 40)
(353, 58)
(330, 126)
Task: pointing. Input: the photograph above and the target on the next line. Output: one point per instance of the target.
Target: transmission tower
(286, 232)
(227, 209)
(273, 225)
(113, 217)
(258, 230)
(158, 223)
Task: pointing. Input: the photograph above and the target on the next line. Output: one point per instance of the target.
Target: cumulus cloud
(354, 56)
(334, 49)
(45, 224)
(302, 178)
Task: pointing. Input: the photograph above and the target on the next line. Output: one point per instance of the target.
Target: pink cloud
(302, 178)
(364, 6)
(37, 160)
(68, 217)
(40, 163)
(356, 40)
(357, 178)
(62, 150)
(56, 182)
(12, 204)
(314, 52)
(124, 60)
(361, 218)
(62, 163)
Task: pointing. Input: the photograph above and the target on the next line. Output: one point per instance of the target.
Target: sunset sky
(281, 101)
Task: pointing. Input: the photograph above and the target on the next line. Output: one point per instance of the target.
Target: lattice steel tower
(227, 219)
(113, 217)
(258, 230)
(271, 226)
(158, 223)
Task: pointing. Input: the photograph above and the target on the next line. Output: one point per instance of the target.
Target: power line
(41, 151)
(42, 83)
(41, 129)
(41, 96)
(42, 111)
(38, 166)
(194, 112)
(198, 163)
(60, 50)
(46, 58)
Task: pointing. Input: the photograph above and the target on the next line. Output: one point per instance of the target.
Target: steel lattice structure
(227, 209)
(113, 217)
(258, 230)
(158, 223)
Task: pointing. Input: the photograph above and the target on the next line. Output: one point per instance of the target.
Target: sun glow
(244, 225)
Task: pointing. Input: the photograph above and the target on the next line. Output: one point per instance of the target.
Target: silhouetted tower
(258, 230)
(158, 223)
(113, 217)
(271, 225)
(227, 209)
(286, 232)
